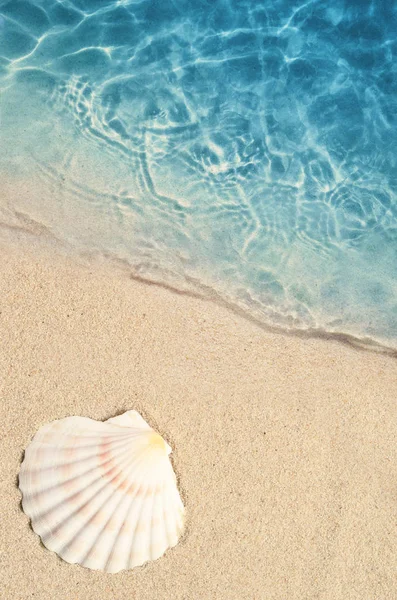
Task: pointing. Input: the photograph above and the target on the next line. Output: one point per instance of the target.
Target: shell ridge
(164, 515)
(116, 539)
(62, 439)
(56, 459)
(63, 549)
(55, 465)
(50, 443)
(167, 515)
(48, 510)
(129, 509)
(126, 494)
(31, 495)
(169, 519)
(178, 509)
(122, 498)
(174, 525)
(148, 548)
(152, 527)
(129, 561)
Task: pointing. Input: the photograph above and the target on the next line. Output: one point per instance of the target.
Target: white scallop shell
(102, 495)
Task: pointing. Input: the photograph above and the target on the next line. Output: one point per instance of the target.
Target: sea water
(247, 147)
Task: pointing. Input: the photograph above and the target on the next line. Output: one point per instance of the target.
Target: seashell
(102, 494)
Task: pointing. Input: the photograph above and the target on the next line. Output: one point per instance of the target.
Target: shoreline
(284, 447)
(29, 232)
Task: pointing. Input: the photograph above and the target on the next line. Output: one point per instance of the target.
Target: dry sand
(285, 448)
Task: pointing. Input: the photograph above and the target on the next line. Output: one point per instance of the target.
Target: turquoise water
(245, 146)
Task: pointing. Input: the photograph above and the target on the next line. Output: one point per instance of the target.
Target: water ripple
(248, 146)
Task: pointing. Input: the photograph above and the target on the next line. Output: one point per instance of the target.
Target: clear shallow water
(248, 146)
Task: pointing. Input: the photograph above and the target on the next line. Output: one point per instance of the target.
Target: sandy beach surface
(285, 448)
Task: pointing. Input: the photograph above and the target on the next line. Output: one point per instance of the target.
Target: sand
(285, 448)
